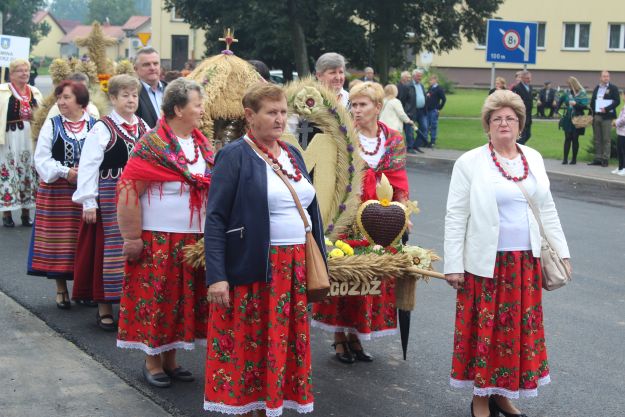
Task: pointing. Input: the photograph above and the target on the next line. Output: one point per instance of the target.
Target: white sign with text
(12, 48)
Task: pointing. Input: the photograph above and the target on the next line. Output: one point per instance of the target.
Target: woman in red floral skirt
(161, 202)
(258, 355)
(492, 257)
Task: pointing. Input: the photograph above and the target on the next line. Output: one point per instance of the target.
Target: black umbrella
(404, 329)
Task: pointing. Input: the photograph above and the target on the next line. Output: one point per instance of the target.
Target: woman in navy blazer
(258, 355)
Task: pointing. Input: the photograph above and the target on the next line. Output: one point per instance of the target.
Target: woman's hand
(567, 265)
(219, 293)
(455, 280)
(89, 216)
(132, 249)
(72, 175)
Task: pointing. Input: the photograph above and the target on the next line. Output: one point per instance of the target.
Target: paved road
(585, 325)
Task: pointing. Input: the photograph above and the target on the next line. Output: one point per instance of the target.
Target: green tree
(116, 11)
(17, 19)
(70, 9)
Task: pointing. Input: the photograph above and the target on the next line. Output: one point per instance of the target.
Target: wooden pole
(426, 272)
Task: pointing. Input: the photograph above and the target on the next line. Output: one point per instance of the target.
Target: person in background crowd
(413, 100)
(605, 99)
(172, 75)
(369, 75)
(619, 123)
(189, 66)
(546, 100)
(353, 83)
(330, 71)
(517, 80)
(91, 108)
(404, 84)
(434, 102)
(57, 220)
(99, 264)
(160, 210)
(492, 258)
(17, 172)
(33, 72)
(576, 101)
(393, 114)
(355, 318)
(261, 68)
(524, 90)
(258, 355)
(148, 69)
(500, 84)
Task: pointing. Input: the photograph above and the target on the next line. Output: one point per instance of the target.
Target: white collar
(85, 116)
(119, 120)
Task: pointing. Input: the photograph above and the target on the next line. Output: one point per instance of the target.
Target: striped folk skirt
(499, 338)
(99, 264)
(55, 232)
(258, 353)
(163, 304)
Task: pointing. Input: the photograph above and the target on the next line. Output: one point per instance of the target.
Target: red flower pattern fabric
(499, 338)
(258, 353)
(163, 304)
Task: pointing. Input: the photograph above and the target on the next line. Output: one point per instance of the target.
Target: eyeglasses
(498, 121)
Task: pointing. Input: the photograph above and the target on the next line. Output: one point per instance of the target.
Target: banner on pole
(12, 48)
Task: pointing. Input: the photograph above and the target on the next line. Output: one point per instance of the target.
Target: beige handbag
(582, 121)
(317, 278)
(555, 272)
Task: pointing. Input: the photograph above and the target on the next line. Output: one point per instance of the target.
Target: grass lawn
(465, 103)
(43, 70)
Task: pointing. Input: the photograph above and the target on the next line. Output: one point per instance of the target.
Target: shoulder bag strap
(283, 177)
(534, 210)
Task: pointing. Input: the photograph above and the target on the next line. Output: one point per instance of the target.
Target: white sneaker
(616, 171)
(622, 172)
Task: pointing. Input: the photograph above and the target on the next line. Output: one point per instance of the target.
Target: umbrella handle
(426, 272)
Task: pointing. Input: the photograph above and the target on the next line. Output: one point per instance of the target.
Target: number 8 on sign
(511, 40)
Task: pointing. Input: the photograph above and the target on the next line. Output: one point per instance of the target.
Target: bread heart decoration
(382, 221)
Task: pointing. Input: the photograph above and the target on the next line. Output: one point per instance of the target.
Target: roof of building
(82, 31)
(41, 14)
(68, 24)
(135, 22)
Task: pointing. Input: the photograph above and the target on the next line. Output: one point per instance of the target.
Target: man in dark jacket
(605, 99)
(434, 102)
(412, 98)
(524, 90)
(148, 69)
(546, 100)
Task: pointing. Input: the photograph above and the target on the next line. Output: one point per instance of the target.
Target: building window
(540, 42)
(175, 17)
(617, 37)
(576, 36)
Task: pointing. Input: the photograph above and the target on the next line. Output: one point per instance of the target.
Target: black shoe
(7, 221)
(573, 162)
(604, 163)
(495, 410)
(26, 221)
(565, 162)
(489, 415)
(345, 356)
(419, 150)
(360, 354)
(160, 380)
(596, 162)
(64, 304)
(411, 151)
(180, 374)
(108, 327)
(86, 303)
(429, 146)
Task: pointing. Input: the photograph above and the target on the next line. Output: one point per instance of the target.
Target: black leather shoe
(63, 304)
(86, 303)
(345, 356)
(108, 327)
(180, 374)
(565, 162)
(596, 162)
(495, 410)
(26, 221)
(360, 354)
(7, 221)
(573, 162)
(419, 150)
(490, 411)
(160, 380)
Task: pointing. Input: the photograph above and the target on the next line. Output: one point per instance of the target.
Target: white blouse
(91, 159)
(48, 168)
(369, 144)
(165, 206)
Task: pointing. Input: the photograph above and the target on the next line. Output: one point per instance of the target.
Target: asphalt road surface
(585, 326)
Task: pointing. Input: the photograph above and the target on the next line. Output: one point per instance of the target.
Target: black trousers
(620, 151)
(571, 138)
(527, 132)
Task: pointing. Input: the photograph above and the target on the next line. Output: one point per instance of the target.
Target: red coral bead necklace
(298, 174)
(377, 146)
(503, 172)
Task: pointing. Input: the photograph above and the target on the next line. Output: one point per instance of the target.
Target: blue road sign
(511, 42)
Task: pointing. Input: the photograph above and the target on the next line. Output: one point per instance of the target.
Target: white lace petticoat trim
(160, 349)
(483, 392)
(258, 405)
(362, 336)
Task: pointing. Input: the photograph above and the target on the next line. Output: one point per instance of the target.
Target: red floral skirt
(163, 304)
(499, 339)
(258, 354)
(367, 316)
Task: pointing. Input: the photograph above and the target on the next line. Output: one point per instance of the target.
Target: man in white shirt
(148, 69)
(605, 99)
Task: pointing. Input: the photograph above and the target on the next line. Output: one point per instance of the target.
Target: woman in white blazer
(492, 257)
(393, 114)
